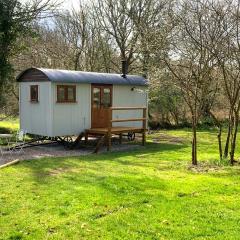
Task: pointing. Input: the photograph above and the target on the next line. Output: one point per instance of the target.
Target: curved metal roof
(66, 76)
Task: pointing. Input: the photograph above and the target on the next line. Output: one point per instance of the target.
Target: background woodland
(188, 50)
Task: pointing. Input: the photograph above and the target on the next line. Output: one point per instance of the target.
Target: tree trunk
(230, 123)
(76, 60)
(234, 138)
(194, 141)
(219, 136)
(220, 142)
(227, 142)
(175, 117)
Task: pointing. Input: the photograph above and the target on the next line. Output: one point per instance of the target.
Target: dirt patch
(204, 168)
(167, 138)
(56, 150)
(58, 171)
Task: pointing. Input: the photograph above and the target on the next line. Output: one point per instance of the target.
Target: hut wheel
(68, 139)
(67, 142)
(131, 136)
(40, 141)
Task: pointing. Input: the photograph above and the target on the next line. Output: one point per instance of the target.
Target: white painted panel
(35, 117)
(124, 96)
(72, 118)
(49, 118)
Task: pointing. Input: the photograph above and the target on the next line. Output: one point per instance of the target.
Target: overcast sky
(70, 3)
(66, 4)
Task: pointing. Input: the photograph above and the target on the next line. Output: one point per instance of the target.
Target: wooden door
(101, 101)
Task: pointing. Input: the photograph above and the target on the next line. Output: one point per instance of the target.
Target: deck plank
(114, 130)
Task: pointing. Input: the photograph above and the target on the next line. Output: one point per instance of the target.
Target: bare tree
(224, 36)
(73, 27)
(191, 63)
(124, 22)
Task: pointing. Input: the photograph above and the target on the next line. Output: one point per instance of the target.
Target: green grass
(150, 193)
(10, 125)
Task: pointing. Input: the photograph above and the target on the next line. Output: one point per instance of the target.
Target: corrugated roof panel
(66, 76)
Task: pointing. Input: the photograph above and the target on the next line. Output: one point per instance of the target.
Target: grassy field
(149, 193)
(11, 125)
(8, 126)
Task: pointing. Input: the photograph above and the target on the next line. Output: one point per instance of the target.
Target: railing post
(109, 134)
(144, 116)
(144, 126)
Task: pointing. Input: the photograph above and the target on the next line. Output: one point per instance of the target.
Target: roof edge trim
(28, 69)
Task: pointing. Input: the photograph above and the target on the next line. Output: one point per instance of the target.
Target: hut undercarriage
(103, 134)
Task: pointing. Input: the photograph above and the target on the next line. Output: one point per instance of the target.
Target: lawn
(149, 193)
(9, 125)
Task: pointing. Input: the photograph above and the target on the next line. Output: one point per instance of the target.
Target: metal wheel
(40, 140)
(131, 136)
(67, 141)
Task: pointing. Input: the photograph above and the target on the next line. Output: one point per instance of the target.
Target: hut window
(106, 100)
(34, 93)
(66, 93)
(96, 97)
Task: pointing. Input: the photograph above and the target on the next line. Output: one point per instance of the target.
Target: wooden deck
(114, 130)
(107, 132)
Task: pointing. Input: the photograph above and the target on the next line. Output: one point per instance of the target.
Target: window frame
(66, 87)
(34, 100)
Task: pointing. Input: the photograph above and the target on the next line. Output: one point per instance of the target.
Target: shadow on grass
(157, 156)
(43, 169)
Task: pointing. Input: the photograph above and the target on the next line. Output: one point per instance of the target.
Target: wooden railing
(143, 119)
